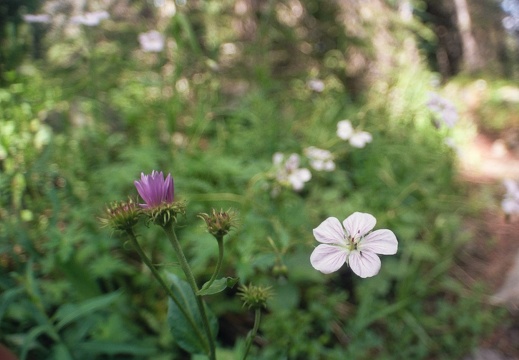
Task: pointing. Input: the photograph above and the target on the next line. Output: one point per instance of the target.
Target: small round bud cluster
(121, 215)
(280, 270)
(219, 223)
(255, 297)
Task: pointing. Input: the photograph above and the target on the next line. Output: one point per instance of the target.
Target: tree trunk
(471, 57)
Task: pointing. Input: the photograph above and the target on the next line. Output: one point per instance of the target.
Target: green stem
(157, 276)
(252, 333)
(168, 229)
(219, 262)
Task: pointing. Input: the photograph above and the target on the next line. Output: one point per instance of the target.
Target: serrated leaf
(218, 286)
(182, 329)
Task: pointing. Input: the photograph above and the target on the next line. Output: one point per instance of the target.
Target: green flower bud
(165, 213)
(121, 216)
(255, 297)
(280, 270)
(219, 223)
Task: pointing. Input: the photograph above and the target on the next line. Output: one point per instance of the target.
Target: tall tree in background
(471, 56)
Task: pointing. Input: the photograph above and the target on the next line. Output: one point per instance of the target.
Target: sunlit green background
(84, 110)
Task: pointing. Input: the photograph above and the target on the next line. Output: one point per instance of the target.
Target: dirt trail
(484, 164)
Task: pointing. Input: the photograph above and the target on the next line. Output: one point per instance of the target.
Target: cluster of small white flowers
(316, 85)
(357, 138)
(37, 18)
(151, 41)
(288, 171)
(510, 203)
(445, 111)
(88, 19)
(320, 159)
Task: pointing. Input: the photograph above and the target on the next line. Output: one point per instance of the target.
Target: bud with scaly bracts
(121, 215)
(219, 223)
(255, 297)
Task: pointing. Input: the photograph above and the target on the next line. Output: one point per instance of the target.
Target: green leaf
(8, 297)
(29, 340)
(61, 352)
(218, 286)
(94, 348)
(68, 313)
(181, 328)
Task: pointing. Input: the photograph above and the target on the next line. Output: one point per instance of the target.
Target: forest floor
(494, 247)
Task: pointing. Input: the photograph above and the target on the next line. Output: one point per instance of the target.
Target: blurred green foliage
(79, 125)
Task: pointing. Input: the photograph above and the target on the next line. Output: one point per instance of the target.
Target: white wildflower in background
(316, 85)
(352, 243)
(445, 111)
(151, 41)
(320, 159)
(288, 171)
(450, 142)
(357, 139)
(90, 18)
(510, 203)
(37, 18)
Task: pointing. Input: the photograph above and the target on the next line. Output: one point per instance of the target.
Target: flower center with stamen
(352, 244)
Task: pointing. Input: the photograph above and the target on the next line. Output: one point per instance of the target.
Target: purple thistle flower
(154, 190)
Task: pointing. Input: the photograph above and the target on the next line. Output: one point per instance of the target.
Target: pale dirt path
(494, 250)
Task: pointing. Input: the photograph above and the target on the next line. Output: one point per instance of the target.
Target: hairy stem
(168, 290)
(218, 263)
(252, 334)
(192, 282)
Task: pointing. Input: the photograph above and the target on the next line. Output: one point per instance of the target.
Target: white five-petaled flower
(289, 173)
(90, 18)
(151, 41)
(37, 18)
(357, 139)
(510, 203)
(446, 112)
(353, 244)
(320, 159)
(316, 85)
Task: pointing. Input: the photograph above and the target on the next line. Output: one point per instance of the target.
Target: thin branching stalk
(219, 262)
(192, 282)
(252, 334)
(168, 290)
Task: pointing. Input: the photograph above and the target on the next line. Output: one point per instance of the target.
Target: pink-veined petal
(359, 224)
(364, 263)
(330, 231)
(328, 258)
(382, 242)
